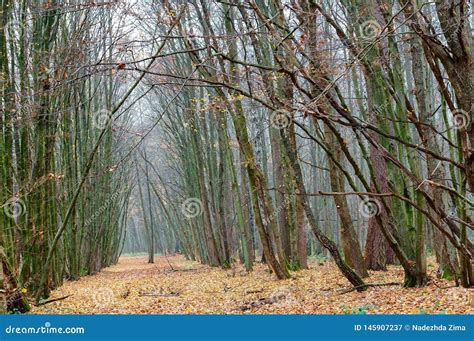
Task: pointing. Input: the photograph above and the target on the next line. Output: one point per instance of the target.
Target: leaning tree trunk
(260, 200)
(299, 254)
(327, 243)
(352, 250)
(350, 242)
(13, 297)
(435, 169)
(279, 185)
(3, 292)
(211, 243)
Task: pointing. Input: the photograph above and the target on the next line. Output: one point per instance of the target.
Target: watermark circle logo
(103, 297)
(13, 27)
(280, 119)
(283, 297)
(369, 207)
(191, 207)
(461, 119)
(370, 29)
(14, 207)
(102, 119)
(3, 81)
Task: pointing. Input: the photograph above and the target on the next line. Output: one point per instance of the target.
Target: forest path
(135, 287)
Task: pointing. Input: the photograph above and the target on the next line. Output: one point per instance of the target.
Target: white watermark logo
(461, 119)
(280, 119)
(370, 207)
(283, 297)
(102, 119)
(370, 29)
(103, 296)
(191, 207)
(14, 207)
(46, 329)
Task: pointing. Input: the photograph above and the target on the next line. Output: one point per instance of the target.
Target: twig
(52, 300)
(180, 270)
(367, 286)
(159, 295)
(169, 263)
(448, 287)
(254, 291)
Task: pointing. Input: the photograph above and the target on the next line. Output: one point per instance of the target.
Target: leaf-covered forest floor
(135, 287)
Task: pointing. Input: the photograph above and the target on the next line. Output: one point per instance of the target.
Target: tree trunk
(260, 201)
(328, 244)
(350, 242)
(211, 244)
(9, 291)
(281, 208)
(3, 289)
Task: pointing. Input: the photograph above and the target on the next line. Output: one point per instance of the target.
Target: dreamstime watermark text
(46, 329)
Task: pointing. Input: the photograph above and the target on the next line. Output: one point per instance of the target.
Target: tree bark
(350, 242)
(3, 288)
(211, 244)
(328, 244)
(281, 208)
(263, 211)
